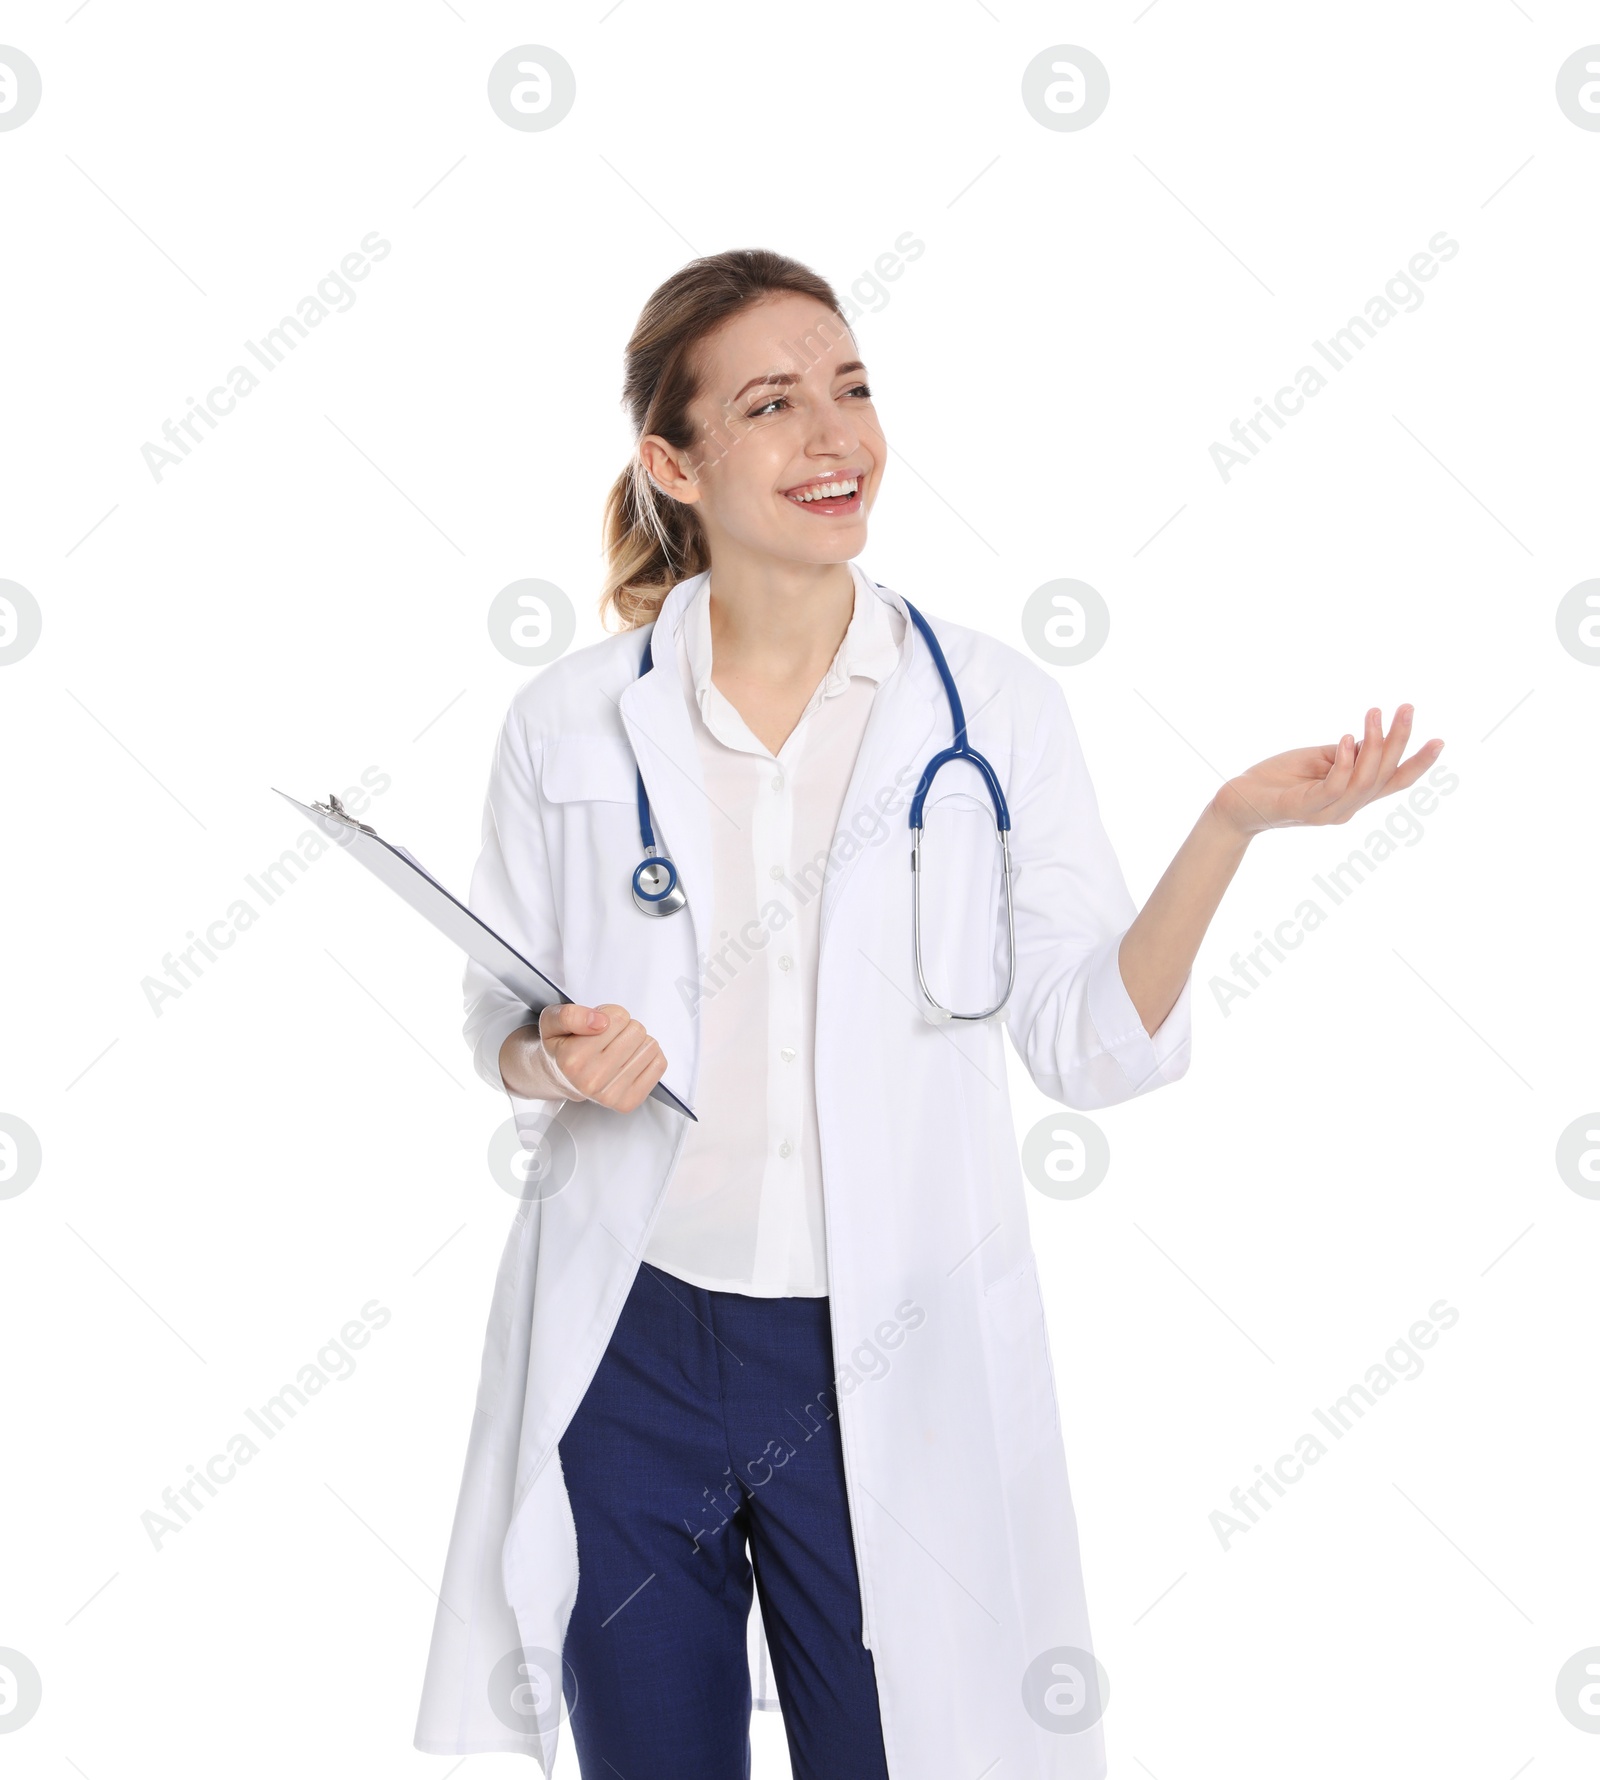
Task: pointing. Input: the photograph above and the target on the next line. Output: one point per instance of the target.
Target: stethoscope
(657, 891)
(655, 880)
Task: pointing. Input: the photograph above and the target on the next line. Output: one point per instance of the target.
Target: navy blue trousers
(711, 1426)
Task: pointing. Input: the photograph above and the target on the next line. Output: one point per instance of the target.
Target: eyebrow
(785, 378)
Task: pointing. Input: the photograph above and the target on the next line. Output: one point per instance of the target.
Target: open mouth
(829, 499)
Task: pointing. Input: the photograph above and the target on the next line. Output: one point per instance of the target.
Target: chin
(827, 538)
(844, 543)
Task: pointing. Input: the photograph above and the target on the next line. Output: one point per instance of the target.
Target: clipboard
(413, 883)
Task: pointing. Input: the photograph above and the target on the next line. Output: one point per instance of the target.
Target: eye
(857, 389)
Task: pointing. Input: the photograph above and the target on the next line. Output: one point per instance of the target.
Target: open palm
(1313, 786)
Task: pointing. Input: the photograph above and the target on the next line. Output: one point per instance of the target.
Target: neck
(776, 625)
(773, 619)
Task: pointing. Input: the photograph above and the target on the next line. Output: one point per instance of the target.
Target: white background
(1373, 1129)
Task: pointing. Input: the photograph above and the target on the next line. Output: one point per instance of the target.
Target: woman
(795, 1346)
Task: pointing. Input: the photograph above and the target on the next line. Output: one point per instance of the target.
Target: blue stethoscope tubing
(657, 891)
(961, 749)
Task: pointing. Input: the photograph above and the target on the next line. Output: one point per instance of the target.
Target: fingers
(1374, 768)
(631, 1068)
(1395, 746)
(1337, 781)
(570, 1020)
(617, 1066)
(1369, 754)
(631, 1087)
(1325, 784)
(1409, 771)
(620, 1031)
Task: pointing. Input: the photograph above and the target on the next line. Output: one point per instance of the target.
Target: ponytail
(652, 542)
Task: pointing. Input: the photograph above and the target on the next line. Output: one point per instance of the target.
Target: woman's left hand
(1313, 786)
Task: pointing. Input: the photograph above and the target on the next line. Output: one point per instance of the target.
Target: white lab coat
(964, 1533)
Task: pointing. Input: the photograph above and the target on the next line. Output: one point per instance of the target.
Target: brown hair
(651, 541)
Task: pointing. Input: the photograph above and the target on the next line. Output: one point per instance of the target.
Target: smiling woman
(689, 1286)
(698, 419)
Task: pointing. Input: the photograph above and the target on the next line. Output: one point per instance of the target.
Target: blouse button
(787, 1054)
(785, 962)
(777, 783)
(775, 871)
(784, 1148)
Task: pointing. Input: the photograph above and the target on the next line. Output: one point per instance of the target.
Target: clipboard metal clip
(334, 808)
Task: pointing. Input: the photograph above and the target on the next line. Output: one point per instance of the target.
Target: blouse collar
(869, 648)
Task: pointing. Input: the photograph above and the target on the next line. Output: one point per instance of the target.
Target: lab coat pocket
(1022, 1374)
(583, 768)
(609, 951)
(588, 788)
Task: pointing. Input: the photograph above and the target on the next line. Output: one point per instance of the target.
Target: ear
(668, 469)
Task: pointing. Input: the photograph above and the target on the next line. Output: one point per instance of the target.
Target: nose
(832, 434)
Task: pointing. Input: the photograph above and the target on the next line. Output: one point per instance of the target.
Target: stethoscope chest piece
(656, 889)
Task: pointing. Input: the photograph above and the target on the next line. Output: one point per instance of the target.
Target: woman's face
(784, 410)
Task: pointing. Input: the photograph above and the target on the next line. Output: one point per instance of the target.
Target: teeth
(828, 491)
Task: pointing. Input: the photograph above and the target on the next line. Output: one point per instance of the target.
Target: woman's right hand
(608, 1057)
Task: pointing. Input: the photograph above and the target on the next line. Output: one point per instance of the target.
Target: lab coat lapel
(656, 715)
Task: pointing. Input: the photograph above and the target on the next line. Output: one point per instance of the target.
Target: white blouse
(744, 1210)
